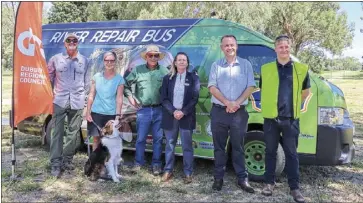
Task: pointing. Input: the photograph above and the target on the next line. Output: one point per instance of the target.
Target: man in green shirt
(147, 79)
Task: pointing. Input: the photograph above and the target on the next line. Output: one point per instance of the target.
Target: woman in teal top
(105, 97)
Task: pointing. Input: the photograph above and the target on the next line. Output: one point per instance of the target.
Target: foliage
(8, 13)
(66, 12)
(315, 27)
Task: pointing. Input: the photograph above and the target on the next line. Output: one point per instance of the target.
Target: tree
(68, 11)
(8, 15)
(311, 25)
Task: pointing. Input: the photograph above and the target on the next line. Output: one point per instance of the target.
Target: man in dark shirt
(285, 103)
(285, 87)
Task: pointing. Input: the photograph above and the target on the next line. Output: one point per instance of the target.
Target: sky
(354, 12)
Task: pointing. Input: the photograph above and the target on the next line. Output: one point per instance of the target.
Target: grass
(318, 183)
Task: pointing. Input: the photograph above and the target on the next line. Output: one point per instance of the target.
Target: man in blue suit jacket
(179, 96)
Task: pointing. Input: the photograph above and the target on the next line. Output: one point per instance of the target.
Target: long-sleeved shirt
(70, 79)
(147, 84)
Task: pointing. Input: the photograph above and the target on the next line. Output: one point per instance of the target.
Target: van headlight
(331, 116)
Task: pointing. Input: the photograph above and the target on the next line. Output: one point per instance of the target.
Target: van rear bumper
(334, 146)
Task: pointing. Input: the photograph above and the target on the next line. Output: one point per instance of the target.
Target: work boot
(68, 166)
(188, 179)
(56, 171)
(217, 185)
(166, 177)
(156, 170)
(268, 189)
(243, 183)
(296, 194)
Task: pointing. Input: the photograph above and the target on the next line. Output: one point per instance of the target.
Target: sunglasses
(75, 41)
(109, 61)
(153, 55)
(282, 37)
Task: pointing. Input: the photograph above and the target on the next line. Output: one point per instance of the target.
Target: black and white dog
(108, 153)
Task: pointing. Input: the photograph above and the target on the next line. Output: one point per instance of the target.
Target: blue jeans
(149, 117)
(187, 145)
(290, 134)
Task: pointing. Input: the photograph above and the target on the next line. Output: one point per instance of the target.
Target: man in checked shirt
(231, 82)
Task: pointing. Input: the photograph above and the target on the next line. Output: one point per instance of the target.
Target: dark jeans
(187, 146)
(290, 133)
(58, 154)
(225, 124)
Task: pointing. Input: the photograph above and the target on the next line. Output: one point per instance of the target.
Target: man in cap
(147, 79)
(69, 74)
(284, 87)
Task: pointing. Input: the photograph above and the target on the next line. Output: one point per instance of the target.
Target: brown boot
(188, 179)
(296, 194)
(166, 177)
(268, 189)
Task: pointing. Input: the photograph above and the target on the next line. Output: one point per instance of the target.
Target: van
(327, 131)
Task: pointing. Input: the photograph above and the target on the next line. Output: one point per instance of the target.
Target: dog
(108, 153)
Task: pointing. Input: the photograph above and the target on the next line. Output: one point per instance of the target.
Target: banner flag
(32, 91)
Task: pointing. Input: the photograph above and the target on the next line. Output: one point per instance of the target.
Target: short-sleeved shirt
(231, 79)
(147, 84)
(70, 79)
(106, 92)
(285, 99)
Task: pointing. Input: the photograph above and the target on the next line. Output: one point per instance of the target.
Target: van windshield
(257, 55)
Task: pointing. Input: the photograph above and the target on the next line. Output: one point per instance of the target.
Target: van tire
(254, 146)
(47, 138)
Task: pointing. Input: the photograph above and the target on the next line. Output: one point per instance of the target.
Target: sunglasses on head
(72, 40)
(153, 55)
(282, 37)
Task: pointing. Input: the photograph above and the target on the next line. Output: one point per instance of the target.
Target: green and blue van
(327, 131)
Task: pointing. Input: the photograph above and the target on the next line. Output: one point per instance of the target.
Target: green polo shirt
(147, 83)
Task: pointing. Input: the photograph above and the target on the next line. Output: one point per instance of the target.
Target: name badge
(186, 84)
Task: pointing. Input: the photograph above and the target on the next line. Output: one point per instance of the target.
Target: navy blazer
(191, 95)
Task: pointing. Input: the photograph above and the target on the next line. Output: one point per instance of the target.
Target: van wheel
(254, 146)
(47, 138)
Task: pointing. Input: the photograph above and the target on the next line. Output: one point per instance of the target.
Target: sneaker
(156, 170)
(56, 171)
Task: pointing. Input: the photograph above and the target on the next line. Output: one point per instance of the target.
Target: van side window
(196, 54)
(257, 55)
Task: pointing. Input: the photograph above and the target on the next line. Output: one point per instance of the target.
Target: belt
(224, 107)
(151, 106)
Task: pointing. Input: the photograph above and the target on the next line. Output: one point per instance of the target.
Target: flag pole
(13, 157)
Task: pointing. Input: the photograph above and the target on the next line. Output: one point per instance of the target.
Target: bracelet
(118, 114)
